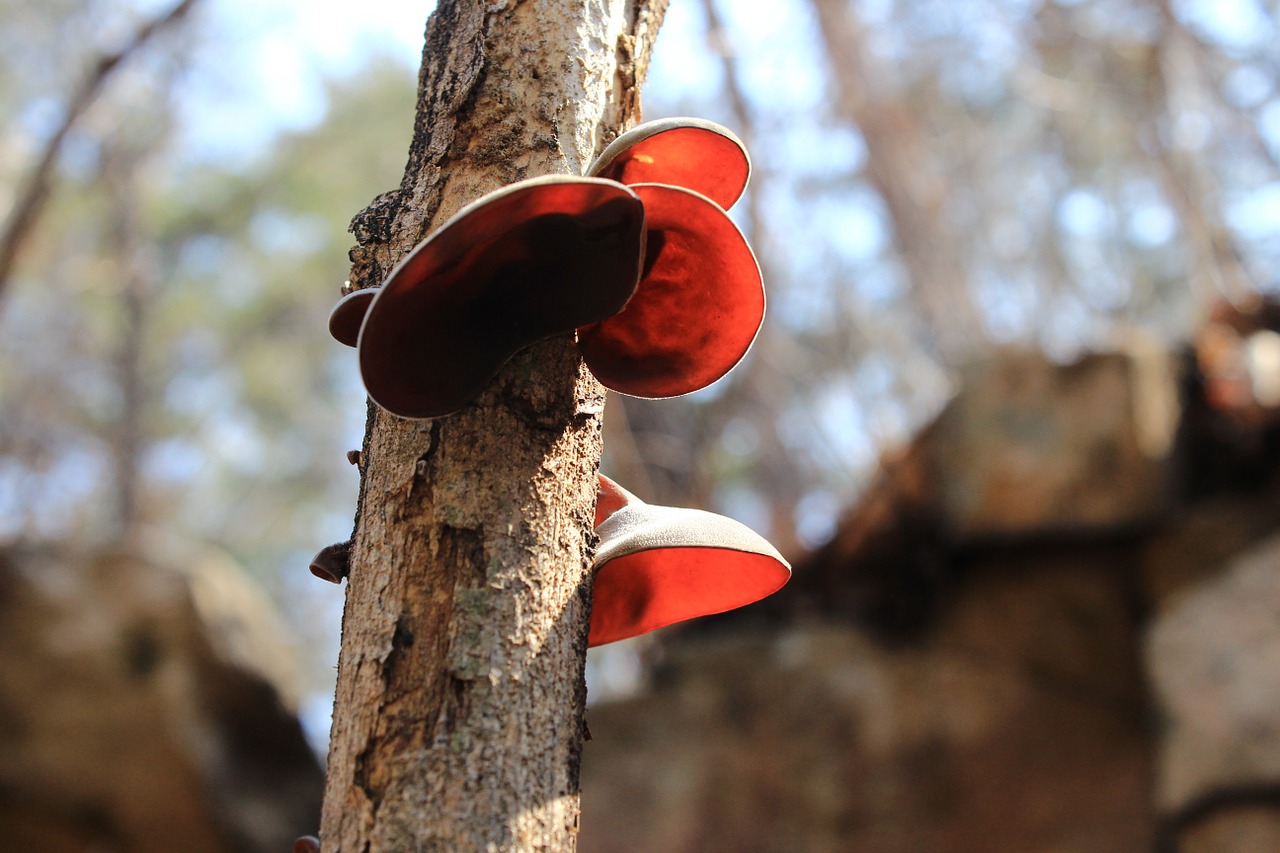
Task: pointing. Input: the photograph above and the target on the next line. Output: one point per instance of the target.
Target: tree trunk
(459, 712)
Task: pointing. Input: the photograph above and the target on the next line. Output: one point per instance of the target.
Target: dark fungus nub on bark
(348, 314)
(332, 562)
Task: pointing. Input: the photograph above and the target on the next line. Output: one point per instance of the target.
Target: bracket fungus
(700, 302)
(659, 565)
(535, 259)
(693, 153)
(654, 566)
(697, 310)
(639, 258)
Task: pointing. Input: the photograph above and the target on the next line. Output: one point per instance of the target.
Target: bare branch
(26, 210)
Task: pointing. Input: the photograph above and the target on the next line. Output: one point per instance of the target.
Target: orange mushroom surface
(692, 153)
(534, 259)
(657, 565)
(697, 310)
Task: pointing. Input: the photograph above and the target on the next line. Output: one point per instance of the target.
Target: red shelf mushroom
(658, 565)
(542, 256)
(697, 310)
(532, 260)
(693, 153)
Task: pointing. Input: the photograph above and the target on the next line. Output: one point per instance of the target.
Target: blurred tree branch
(30, 200)
(902, 171)
(136, 277)
(1216, 263)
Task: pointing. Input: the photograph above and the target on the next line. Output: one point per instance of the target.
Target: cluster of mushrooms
(639, 259)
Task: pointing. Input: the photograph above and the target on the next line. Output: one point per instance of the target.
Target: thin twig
(26, 210)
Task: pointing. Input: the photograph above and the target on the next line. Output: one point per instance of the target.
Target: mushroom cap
(331, 563)
(697, 310)
(693, 153)
(348, 314)
(658, 565)
(531, 260)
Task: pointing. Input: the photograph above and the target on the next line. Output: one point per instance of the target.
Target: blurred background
(1012, 416)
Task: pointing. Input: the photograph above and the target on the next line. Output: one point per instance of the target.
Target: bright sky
(295, 44)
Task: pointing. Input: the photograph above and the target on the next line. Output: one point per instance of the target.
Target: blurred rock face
(1042, 629)
(1032, 447)
(1214, 660)
(145, 709)
(816, 739)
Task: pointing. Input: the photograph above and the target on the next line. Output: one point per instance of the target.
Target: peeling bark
(458, 718)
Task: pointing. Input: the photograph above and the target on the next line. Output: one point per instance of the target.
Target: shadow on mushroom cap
(531, 260)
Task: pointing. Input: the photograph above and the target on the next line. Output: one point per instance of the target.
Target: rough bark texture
(458, 718)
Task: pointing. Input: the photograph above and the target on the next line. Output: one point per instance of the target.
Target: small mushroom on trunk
(532, 260)
(658, 565)
(332, 562)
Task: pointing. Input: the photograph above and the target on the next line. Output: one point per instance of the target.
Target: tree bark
(458, 719)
